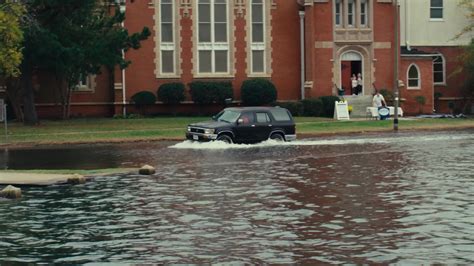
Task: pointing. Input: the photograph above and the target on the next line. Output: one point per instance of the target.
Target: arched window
(413, 77)
(438, 70)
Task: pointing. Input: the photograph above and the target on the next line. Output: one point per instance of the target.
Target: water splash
(383, 139)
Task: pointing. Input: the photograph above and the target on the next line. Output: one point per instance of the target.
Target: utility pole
(395, 70)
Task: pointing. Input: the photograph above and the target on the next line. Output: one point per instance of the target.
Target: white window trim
(213, 46)
(408, 77)
(167, 46)
(266, 46)
(366, 24)
(444, 72)
(341, 13)
(88, 87)
(354, 14)
(442, 9)
(258, 46)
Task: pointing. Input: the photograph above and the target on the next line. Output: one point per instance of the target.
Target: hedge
(171, 93)
(312, 107)
(211, 92)
(256, 92)
(328, 105)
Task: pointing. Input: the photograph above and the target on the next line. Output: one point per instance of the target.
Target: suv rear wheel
(225, 138)
(277, 137)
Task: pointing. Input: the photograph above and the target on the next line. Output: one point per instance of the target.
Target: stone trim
(368, 67)
(382, 45)
(323, 45)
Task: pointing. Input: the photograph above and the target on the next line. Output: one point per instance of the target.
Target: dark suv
(245, 125)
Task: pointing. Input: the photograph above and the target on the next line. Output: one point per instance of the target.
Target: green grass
(109, 130)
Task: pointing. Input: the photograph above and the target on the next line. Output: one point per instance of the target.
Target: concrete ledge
(31, 179)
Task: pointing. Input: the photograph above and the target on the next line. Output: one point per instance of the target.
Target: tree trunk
(29, 110)
(62, 94)
(14, 95)
(68, 102)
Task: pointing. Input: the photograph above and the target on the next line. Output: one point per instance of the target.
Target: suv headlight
(209, 131)
(189, 129)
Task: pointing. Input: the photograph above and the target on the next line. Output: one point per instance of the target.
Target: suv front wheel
(225, 138)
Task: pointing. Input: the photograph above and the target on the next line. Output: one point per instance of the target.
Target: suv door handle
(269, 125)
(252, 125)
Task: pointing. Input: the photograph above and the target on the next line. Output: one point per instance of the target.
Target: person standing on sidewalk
(359, 84)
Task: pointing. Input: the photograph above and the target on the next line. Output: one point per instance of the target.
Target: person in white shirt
(378, 100)
(354, 84)
(359, 84)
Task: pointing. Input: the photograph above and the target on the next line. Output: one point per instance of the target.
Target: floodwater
(404, 198)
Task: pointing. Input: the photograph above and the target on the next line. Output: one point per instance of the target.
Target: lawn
(110, 130)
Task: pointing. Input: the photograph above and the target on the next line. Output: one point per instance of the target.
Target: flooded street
(404, 198)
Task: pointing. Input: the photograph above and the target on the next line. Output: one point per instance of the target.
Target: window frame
(432, 8)
(258, 46)
(351, 17)
(212, 45)
(364, 12)
(84, 86)
(340, 4)
(166, 46)
(418, 78)
(443, 70)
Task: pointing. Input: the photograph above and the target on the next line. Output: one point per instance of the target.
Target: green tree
(70, 39)
(11, 38)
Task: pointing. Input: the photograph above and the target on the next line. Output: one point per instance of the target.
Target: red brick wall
(322, 75)
(410, 106)
(383, 27)
(451, 91)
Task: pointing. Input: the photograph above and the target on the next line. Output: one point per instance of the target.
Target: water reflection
(383, 199)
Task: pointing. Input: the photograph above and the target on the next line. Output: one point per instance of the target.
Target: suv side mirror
(214, 117)
(240, 121)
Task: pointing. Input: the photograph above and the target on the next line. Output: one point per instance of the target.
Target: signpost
(341, 110)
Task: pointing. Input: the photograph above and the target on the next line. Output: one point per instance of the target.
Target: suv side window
(247, 118)
(263, 118)
(280, 114)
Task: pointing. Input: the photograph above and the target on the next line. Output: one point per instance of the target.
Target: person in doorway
(378, 100)
(359, 83)
(354, 84)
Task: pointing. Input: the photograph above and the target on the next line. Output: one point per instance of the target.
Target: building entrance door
(351, 64)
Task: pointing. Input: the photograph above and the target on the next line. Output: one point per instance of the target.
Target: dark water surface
(406, 198)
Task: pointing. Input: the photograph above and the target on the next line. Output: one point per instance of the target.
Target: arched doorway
(351, 64)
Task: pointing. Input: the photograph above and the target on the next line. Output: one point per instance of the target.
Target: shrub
(142, 99)
(328, 105)
(258, 92)
(211, 92)
(171, 93)
(312, 107)
(295, 108)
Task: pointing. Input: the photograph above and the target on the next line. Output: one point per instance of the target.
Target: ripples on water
(394, 199)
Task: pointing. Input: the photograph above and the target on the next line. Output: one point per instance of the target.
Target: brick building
(308, 48)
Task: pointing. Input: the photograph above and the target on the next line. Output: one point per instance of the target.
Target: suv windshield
(228, 116)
